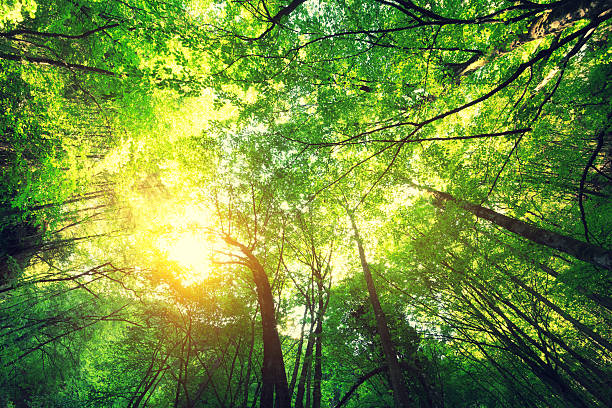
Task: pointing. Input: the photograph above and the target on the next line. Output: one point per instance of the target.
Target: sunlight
(187, 243)
(191, 251)
(173, 231)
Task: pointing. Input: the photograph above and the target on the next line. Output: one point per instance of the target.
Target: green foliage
(127, 128)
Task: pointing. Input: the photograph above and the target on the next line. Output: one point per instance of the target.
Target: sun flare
(191, 251)
(187, 242)
(178, 234)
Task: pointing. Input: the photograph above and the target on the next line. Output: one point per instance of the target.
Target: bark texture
(274, 390)
(584, 251)
(551, 21)
(400, 392)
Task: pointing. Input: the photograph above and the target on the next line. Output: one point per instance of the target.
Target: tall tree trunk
(581, 250)
(603, 301)
(296, 366)
(318, 370)
(400, 392)
(273, 370)
(590, 381)
(274, 390)
(517, 346)
(306, 367)
(249, 365)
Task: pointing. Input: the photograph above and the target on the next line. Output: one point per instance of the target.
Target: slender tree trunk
(578, 325)
(296, 366)
(400, 392)
(177, 394)
(249, 365)
(308, 393)
(517, 346)
(603, 301)
(581, 250)
(306, 367)
(589, 381)
(318, 370)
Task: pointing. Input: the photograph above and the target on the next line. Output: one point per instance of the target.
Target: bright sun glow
(177, 234)
(187, 243)
(191, 251)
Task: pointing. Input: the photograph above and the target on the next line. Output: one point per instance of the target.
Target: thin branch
(600, 141)
(55, 63)
(13, 33)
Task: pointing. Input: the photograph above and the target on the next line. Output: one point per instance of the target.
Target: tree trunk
(318, 371)
(249, 365)
(296, 366)
(565, 14)
(273, 371)
(517, 346)
(589, 381)
(305, 373)
(400, 392)
(603, 301)
(274, 390)
(581, 250)
(578, 325)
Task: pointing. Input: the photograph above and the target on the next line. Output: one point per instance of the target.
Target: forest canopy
(351, 203)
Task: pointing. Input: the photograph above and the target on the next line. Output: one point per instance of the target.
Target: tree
(170, 221)
(400, 393)
(581, 250)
